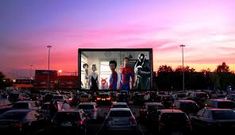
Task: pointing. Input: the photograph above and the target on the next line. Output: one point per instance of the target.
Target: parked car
(58, 98)
(174, 121)
(89, 108)
(18, 121)
(199, 97)
(149, 111)
(231, 97)
(214, 119)
(103, 98)
(138, 98)
(187, 106)
(69, 121)
(119, 105)
(25, 105)
(85, 97)
(221, 103)
(120, 119)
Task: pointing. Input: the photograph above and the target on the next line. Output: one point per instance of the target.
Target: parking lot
(150, 113)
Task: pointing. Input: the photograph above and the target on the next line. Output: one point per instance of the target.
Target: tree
(223, 68)
(2, 76)
(165, 68)
(185, 69)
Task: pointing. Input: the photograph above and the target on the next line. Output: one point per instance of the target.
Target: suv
(221, 103)
(149, 111)
(174, 121)
(187, 106)
(69, 121)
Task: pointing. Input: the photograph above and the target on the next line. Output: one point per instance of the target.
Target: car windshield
(201, 95)
(229, 105)
(120, 114)
(154, 107)
(14, 115)
(104, 95)
(120, 106)
(21, 106)
(223, 115)
(86, 106)
(170, 117)
(67, 116)
(189, 106)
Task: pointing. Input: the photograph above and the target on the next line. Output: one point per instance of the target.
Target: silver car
(121, 119)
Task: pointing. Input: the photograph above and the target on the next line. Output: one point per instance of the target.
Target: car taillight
(132, 121)
(109, 98)
(81, 122)
(98, 98)
(18, 125)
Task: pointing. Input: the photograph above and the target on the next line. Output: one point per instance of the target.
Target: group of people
(137, 77)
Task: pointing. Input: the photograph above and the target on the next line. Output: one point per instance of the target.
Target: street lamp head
(182, 45)
(60, 71)
(49, 46)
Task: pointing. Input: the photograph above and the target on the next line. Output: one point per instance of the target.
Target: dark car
(104, 98)
(90, 109)
(138, 98)
(25, 105)
(187, 106)
(18, 121)
(214, 119)
(71, 121)
(174, 121)
(149, 111)
(221, 103)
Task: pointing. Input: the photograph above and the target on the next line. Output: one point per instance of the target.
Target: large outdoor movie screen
(115, 69)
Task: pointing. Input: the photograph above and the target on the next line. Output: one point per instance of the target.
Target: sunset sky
(206, 27)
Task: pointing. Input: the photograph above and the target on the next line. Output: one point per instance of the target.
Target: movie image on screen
(115, 69)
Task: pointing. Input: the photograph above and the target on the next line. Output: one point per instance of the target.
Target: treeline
(219, 79)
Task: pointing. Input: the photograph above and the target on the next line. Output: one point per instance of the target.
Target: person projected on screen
(86, 79)
(142, 71)
(114, 76)
(127, 75)
(93, 79)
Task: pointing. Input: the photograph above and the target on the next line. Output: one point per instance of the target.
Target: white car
(120, 119)
(119, 105)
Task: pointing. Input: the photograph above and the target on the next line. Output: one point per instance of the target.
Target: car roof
(25, 102)
(119, 103)
(70, 110)
(220, 100)
(19, 110)
(87, 103)
(171, 111)
(185, 101)
(216, 109)
(153, 103)
(120, 109)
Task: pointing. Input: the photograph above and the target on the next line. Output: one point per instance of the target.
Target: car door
(198, 119)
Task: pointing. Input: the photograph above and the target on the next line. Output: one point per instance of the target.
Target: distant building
(67, 82)
(56, 81)
(23, 83)
(41, 79)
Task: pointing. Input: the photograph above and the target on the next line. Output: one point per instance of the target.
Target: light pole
(48, 67)
(183, 85)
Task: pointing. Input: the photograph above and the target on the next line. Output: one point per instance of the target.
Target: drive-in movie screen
(115, 69)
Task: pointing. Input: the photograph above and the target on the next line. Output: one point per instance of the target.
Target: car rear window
(170, 117)
(229, 105)
(14, 115)
(86, 106)
(21, 106)
(223, 115)
(67, 116)
(120, 114)
(120, 106)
